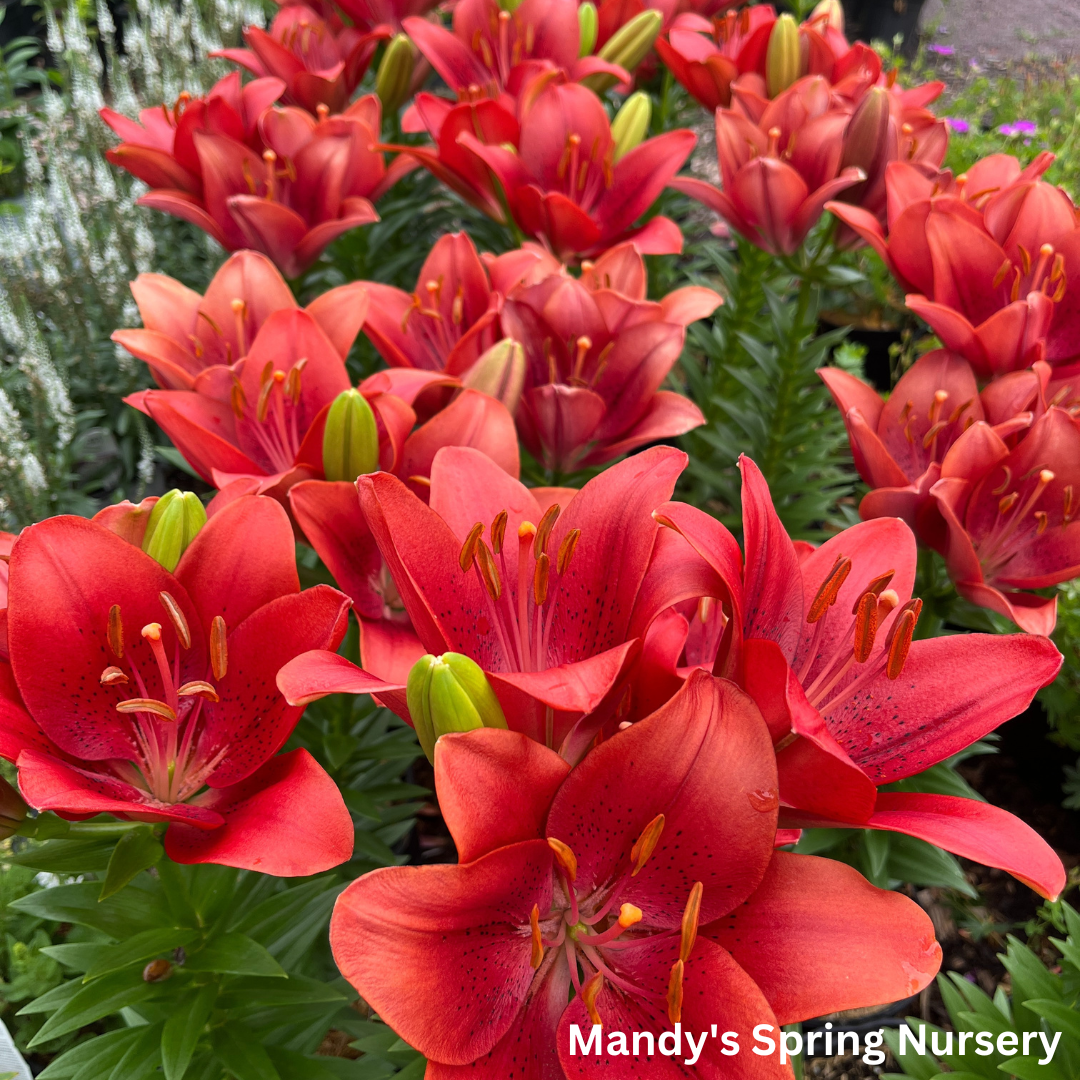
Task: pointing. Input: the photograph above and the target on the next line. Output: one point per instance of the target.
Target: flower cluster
(629, 711)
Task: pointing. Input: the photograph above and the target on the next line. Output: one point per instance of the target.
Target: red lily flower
(822, 640)
(596, 360)
(312, 182)
(1011, 516)
(258, 426)
(184, 333)
(494, 49)
(160, 150)
(151, 696)
(978, 258)
(778, 174)
(447, 322)
(378, 14)
(600, 886)
(560, 182)
(320, 61)
(554, 609)
(6, 541)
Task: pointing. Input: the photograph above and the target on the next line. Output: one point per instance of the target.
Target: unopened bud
(174, 522)
(831, 12)
(589, 26)
(627, 47)
(449, 693)
(395, 73)
(783, 58)
(631, 123)
(351, 438)
(157, 971)
(866, 137)
(499, 373)
(509, 5)
(12, 810)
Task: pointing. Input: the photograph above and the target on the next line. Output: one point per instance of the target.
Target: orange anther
(537, 941)
(590, 991)
(564, 857)
(830, 589)
(219, 649)
(541, 573)
(865, 627)
(116, 632)
(900, 638)
(113, 676)
(646, 843)
(488, 570)
(675, 992)
(468, 549)
(498, 531)
(543, 530)
(176, 616)
(198, 688)
(150, 705)
(876, 586)
(691, 916)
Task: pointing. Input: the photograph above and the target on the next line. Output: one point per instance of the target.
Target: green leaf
(51, 1001)
(923, 864)
(139, 908)
(242, 1054)
(143, 1058)
(91, 1058)
(293, 1066)
(254, 994)
(1028, 1068)
(1061, 1017)
(135, 851)
(143, 946)
(235, 954)
(93, 1001)
(183, 1029)
(83, 856)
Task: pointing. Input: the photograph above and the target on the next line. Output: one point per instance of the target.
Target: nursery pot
(884, 19)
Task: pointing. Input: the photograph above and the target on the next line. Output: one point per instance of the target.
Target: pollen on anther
(537, 940)
(176, 616)
(690, 919)
(564, 856)
(219, 649)
(646, 843)
(116, 632)
(566, 550)
(590, 991)
(468, 549)
(830, 589)
(543, 530)
(675, 992)
(113, 676)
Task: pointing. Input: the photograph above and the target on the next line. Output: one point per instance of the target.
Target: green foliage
(751, 370)
(1061, 698)
(1041, 999)
(18, 74)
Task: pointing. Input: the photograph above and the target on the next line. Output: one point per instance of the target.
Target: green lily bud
(783, 58)
(12, 810)
(589, 24)
(866, 138)
(449, 693)
(395, 73)
(627, 47)
(174, 522)
(499, 373)
(351, 438)
(631, 123)
(831, 11)
(509, 5)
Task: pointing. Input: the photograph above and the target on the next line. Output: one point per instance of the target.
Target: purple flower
(961, 127)
(942, 50)
(1021, 127)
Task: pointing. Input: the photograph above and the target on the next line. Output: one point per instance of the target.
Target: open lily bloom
(494, 49)
(183, 334)
(450, 319)
(150, 695)
(553, 598)
(313, 180)
(320, 61)
(602, 885)
(978, 255)
(1011, 516)
(552, 166)
(822, 640)
(376, 14)
(597, 357)
(778, 173)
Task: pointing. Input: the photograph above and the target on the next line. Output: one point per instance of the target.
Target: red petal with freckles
(455, 936)
(974, 830)
(716, 992)
(66, 574)
(772, 583)
(242, 558)
(329, 514)
(313, 675)
(818, 938)
(47, 783)
(252, 718)
(1033, 614)
(670, 763)
(287, 819)
(495, 788)
(952, 691)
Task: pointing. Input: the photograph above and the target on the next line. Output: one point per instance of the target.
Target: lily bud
(627, 47)
(589, 25)
(866, 138)
(449, 693)
(395, 73)
(499, 373)
(351, 438)
(783, 59)
(12, 810)
(174, 522)
(831, 11)
(509, 5)
(631, 123)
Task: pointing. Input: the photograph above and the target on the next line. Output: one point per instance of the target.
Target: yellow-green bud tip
(395, 73)
(630, 44)
(499, 373)
(631, 123)
(783, 59)
(589, 26)
(449, 693)
(351, 438)
(174, 522)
